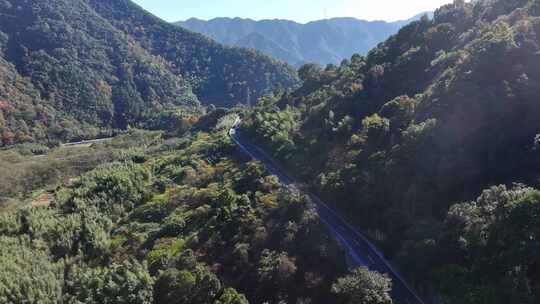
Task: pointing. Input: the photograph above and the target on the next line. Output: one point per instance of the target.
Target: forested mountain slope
(428, 119)
(323, 41)
(221, 75)
(78, 68)
(71, 65)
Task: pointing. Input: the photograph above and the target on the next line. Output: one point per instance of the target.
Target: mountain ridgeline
(79, 68)
(323, 42)
(431, 144)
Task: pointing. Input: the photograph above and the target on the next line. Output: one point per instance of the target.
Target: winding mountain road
(361, 251)
(86, 143)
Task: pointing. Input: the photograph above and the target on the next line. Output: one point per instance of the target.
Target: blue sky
(298, 10)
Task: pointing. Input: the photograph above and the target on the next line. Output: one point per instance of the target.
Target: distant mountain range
(323, 41)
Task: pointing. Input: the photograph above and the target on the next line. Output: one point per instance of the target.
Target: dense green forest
(182, 220)
(406, 140)
(430, 144)
(82, 69)
(221, 75)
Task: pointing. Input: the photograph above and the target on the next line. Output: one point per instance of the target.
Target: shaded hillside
(323, 41)
(69, 72)
(220, 75)
(428, 119)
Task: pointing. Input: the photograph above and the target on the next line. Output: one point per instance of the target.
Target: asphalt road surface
(361, 251)
(86, 142)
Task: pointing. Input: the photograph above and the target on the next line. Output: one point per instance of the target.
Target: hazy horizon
(314, 20)
(301, 11)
